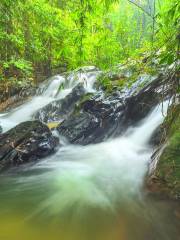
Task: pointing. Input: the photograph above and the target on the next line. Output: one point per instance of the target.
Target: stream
(92, 192)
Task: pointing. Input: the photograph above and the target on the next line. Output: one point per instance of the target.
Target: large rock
(97, 120)
(141, 99)
(80, 129)
(58, 110)
(157, 137)
(103, 116)
(26, 142)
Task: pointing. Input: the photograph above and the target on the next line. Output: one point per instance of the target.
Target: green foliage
(20, 64)
(168, 169)
(168, 30)
(42, 35)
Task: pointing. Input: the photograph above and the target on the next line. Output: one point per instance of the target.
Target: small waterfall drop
(57, 87)
(53, 86)
(86, 75)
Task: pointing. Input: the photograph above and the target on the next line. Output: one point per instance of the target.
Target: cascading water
(57, 87)
(86, 75)
(89, 192)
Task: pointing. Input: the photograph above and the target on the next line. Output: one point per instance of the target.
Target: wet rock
(58, 110)
(141, 82)
(28, 141)
(157, 136)
(142, 100)
(97, 120)
(112, 114)
(88, 69)
(80, 129)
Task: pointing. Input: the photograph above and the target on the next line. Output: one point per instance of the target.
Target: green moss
(168, 169)
(84, 98)
(125, 75)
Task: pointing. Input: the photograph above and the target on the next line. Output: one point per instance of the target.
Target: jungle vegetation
(39, 36)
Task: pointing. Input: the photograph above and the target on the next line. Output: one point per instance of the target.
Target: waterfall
(83, 192)
(100, 175)
(57, 87)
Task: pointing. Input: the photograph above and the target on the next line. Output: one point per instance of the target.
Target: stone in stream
(81, 128)
(57, 110)
(101, 117)
(28, 141)
(157, 136)
(96, 120)
(141, 100)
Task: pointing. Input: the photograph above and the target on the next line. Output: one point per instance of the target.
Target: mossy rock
(27, 142)
(83, 99)
(167, 172)
(169, 165)
(124, 75)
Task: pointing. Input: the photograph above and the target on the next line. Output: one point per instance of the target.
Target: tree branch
(137, 5)
(153, 17)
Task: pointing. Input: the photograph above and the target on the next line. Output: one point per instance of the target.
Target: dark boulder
(58, 110)
(80, 128)
(97, 120)
(157, 137)
(143, 99)
(28, 141)
(101, 116)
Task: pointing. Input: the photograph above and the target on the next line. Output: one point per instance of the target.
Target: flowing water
(89, 192)
(57, 87)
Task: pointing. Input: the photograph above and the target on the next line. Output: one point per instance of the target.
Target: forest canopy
(39, 36)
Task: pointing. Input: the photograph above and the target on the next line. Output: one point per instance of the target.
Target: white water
(99, 176)
(87, 76)
(95, 174)
(49, 92)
